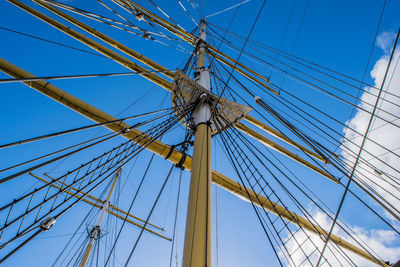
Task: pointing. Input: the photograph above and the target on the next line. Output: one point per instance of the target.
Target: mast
(197, 246)
(95, 232)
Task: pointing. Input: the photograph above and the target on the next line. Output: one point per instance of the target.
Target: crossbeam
(192, 40)
(268, 142)
(119, 216)
(129, 64)
(237, 66)
(175, 157)
(100, 201)
(283, 138)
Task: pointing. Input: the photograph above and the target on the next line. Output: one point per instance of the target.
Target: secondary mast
(197, 246)
(95, 232)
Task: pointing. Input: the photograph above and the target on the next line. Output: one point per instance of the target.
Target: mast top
(202, 29)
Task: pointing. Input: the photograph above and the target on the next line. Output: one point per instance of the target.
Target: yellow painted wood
(108, 40)
(284, 151)
(191, 39)
(100, 201)
(162, 149)
(88, 250)
(96, 46)
(99, 207)
(197, 246)
(261, 201)
(282, 137)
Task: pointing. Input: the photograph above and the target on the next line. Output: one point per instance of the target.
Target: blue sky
(334, 34)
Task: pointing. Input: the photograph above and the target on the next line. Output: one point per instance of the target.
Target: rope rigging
(285, 204)
(361, 146)
(121, 156)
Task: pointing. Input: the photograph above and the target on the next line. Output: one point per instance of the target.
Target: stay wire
(344, 171)
(73, 130)
(53, 42)
(79, 168)
(78, 76)
(288, 56)
(304, 211)
(241, 152)
(106, 137)
(84, 195)
(361, 147)
(241, 51)
(320, 81)
(278, 100)
(314, 86)
(370, 52)
(251, 200)
(363, 202)
(130, 208)
(149, 215)
(176, 218)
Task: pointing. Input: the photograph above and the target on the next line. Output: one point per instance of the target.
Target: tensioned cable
(165, 14)
(229, 26)
(174, 40)
(363, 201)
(53, 153)
(132, 10)
(291, 109)
(75, 151)
(187, 13)
(149, 215)
(25, 141)
(333, 130)
(10, 177)
(53, 42)
(75, 76)
(144, 137)
(176, 218)
(142, 147)
(240, 54)
(109, 22)
(361, 147)
(233, 138)
(297, 35)
(226, 9)
(251, 201)
(315, 86)
(375, 193)
(130, 207)
(370, 53)
(282, 53)
(285, 55)
(242, 137)
(359, 89)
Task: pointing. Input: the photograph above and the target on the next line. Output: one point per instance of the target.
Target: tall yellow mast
(197, 246)
(94, 234)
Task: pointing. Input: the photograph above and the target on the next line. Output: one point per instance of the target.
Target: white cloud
(381, 132)
(385, 41)
(381, 241)
(384, 242)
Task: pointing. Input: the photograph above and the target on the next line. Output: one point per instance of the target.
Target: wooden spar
(197, 244)
(192, 40)
(112, 207)
(119, 216)
(284, 151)
(127, 63)
(163, 150)
(283, 137)
(95, 232)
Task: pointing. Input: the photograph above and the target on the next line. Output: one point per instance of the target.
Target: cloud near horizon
(384, 242)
